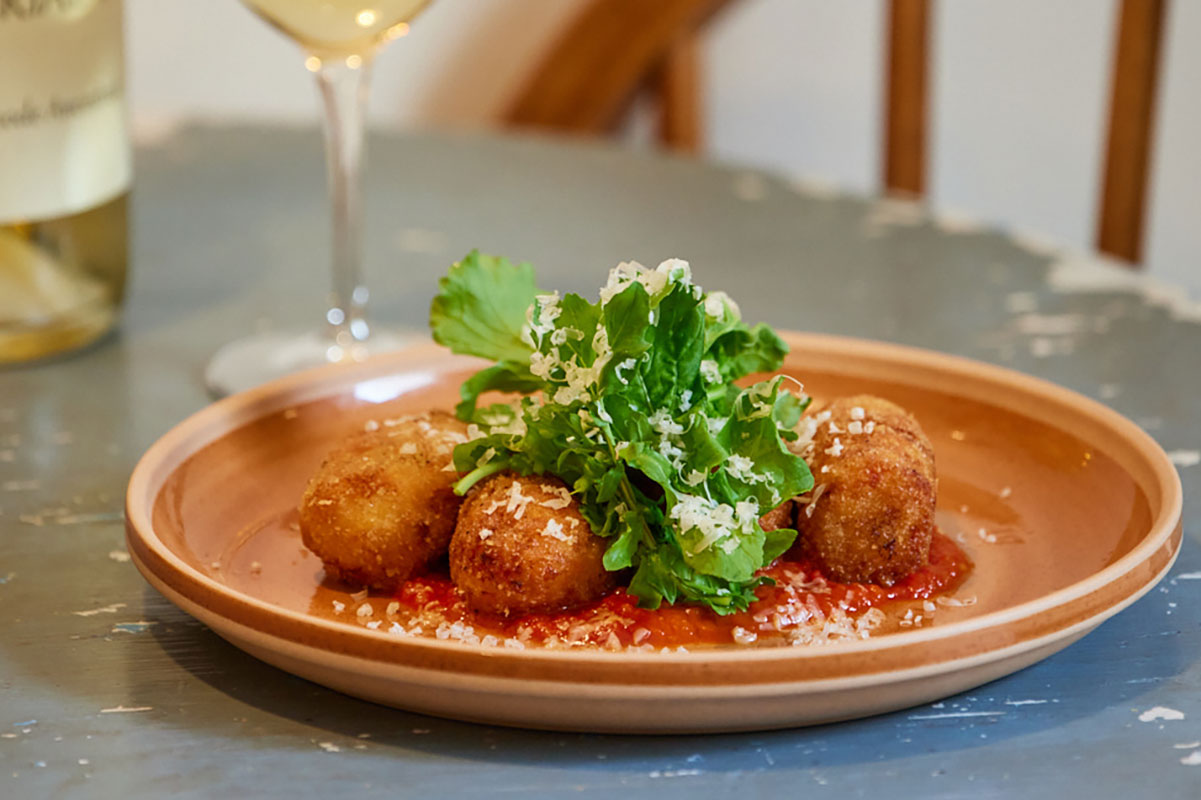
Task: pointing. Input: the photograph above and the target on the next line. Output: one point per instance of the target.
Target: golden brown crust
(872, 513)
(521, 546)
(782, 516)
(381, 507)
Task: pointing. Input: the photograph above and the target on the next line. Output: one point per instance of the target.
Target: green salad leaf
(480, 311)
(480, 307)
(632, 401)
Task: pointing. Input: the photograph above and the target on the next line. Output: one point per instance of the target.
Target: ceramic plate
(1080, 511)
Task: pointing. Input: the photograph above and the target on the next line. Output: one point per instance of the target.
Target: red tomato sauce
(802, 606)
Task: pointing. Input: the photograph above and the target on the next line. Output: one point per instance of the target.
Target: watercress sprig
(632, 401)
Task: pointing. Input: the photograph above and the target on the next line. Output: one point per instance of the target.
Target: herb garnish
(637, 411)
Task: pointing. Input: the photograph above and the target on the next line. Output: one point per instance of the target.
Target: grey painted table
(107, 690)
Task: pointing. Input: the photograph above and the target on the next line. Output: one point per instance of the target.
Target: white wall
(1174, 230)
(1019, 95)
(795, 85)
(1019, 111)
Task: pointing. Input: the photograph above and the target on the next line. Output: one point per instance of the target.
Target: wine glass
(340, 38)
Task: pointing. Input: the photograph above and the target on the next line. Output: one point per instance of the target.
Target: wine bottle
(64, 174)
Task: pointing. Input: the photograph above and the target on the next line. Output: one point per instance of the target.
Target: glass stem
(344, 95)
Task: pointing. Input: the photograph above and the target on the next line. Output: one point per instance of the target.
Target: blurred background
(1018, 96)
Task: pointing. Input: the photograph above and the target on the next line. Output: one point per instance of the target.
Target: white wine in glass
(339, 38)
(339, 28)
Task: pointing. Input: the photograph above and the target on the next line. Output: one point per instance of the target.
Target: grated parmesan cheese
(517, 501)
(626, 365)
(743, 636)
(562, 497)
(739, 467)
(715, 521)
(654, 281)
(955, 602)
(662, 422)
(810, 500)
(554, 530)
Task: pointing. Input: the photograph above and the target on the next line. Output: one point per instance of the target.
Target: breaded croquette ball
(870, 516)
(381, 507)
(521, 546)
(779, 517)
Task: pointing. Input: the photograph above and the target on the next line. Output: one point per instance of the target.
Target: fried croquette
(381, 507)
(870, 516)
(521, 546)
(779, 517)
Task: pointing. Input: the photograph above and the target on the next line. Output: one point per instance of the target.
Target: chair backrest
(613, 49)
(616, 49)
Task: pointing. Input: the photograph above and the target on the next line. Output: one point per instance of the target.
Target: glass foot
(246, 363)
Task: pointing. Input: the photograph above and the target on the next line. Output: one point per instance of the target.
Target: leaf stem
(478, 474)
(627, 491)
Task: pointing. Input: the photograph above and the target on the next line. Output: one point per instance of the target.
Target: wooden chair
(616, 49)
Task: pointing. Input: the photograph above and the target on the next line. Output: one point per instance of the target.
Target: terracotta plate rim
(633, 689)
(216, 420)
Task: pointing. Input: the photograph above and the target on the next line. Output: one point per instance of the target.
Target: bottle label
(63, 144)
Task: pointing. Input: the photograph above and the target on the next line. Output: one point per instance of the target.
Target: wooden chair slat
(906, 96)
(1120, 218)
(678, 85)
(593, 71)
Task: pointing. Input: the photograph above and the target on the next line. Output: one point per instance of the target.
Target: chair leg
(678, 86)
(906, 97)
(1131, 128)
